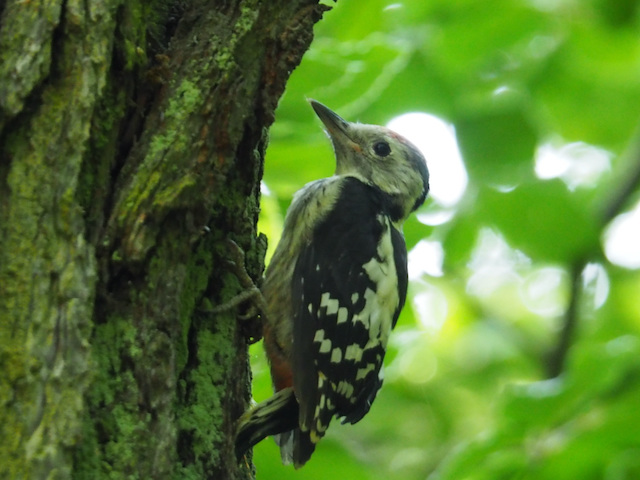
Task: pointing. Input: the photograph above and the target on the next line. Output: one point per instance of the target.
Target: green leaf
(543, 220)
(497, 146)
(589, 88)
(459, 240)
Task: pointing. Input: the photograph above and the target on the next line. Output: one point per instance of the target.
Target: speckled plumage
(335, 287)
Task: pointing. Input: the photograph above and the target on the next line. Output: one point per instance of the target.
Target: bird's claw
(255, 314)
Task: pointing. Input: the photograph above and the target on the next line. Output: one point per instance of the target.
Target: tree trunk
(131, 146)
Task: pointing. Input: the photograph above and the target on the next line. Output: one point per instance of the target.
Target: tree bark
(132, 137)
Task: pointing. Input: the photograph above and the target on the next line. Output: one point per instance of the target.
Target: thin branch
(558, 355)
(628, 186)
(616, 203)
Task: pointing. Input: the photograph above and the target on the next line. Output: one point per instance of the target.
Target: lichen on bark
(132, 141)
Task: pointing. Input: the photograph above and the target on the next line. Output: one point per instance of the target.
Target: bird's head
(379, 157)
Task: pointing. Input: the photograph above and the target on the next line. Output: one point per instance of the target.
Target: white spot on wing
(336, 355)
(325, 346)
(363, 372)
(353, 353)
(331, 304)
(343, 315)
(320, 427)
(345, 388)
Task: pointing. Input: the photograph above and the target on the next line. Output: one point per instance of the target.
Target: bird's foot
(255, 312)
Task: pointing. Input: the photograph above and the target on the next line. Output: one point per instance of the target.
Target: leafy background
(518, 354)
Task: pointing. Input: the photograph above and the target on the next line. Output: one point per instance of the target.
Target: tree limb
(611, 209)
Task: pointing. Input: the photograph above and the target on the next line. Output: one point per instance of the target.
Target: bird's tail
(276, 415)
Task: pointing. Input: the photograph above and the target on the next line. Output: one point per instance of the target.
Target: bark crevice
(132, 146)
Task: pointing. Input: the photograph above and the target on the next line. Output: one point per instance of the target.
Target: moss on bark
(133, 136)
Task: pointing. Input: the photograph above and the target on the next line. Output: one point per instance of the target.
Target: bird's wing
(349, 286)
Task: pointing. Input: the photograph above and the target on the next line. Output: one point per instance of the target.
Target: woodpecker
(335, 287)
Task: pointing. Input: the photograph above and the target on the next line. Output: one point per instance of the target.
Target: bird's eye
(382, 149)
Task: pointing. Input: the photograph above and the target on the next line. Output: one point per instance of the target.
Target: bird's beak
(337, 127)
(334, 122)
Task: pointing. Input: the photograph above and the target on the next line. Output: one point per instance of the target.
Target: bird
(335, 287)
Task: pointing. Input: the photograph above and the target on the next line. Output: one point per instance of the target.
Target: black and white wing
(350, 284)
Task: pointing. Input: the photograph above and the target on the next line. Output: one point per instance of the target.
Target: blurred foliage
(544, 96)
